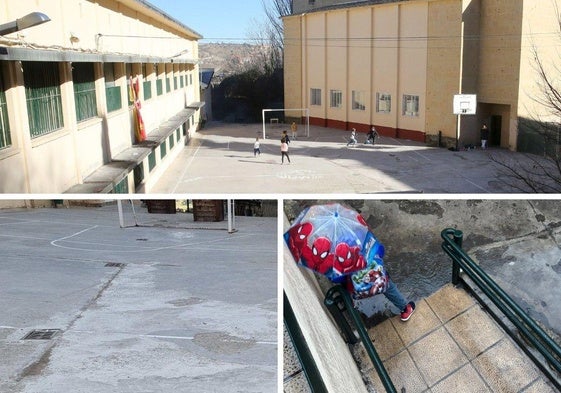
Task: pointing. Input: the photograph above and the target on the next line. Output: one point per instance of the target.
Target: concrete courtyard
(157, 308)
(220, 159)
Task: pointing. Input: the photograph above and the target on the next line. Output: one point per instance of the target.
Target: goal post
(305, 114)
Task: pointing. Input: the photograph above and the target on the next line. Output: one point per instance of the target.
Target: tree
(539, 172)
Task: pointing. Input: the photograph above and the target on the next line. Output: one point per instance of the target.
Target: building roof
(349, 4)
(168, 17)
(206, 76)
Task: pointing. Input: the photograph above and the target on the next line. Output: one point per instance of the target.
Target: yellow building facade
(397, 66)
(67, 118)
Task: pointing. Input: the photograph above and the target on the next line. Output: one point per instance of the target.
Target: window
(159, 87)
(147, 89)
(359, 100)
(5, 136)
(159, 82)
(84, 91)
(410, 105)
(152, 160)
(122, 187)
(112, 91)
(146, 84)
(336, 99)
(315, 96)
(383, 103)
(42, 93)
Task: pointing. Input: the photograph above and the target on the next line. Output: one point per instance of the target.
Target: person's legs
(393, 295)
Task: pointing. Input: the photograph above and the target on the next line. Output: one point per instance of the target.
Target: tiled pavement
(450, 345)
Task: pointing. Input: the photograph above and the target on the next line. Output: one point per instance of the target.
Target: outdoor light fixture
(25, 22)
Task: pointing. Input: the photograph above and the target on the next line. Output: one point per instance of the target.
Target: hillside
(226, 58)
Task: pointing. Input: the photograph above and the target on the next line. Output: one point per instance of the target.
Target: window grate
(84, 90)
(43, 96)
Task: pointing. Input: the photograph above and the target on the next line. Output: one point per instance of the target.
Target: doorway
(495, 128)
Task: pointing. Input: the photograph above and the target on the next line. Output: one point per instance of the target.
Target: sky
(216, 20)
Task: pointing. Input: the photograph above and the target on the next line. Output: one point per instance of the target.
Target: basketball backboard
(465, 104)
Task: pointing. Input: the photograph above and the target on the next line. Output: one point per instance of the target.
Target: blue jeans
(394, 296)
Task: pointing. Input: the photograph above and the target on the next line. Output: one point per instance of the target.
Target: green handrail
(337, 300)
(311, 372)
(547, 347)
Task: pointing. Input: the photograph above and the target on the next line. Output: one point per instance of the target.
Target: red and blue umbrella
(334, 240)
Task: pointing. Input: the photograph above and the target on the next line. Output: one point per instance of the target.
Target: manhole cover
(114, 264)
(41, 334)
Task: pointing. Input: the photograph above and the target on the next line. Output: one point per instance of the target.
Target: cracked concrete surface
(189, 310)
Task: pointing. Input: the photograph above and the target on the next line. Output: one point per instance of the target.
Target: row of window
(44, 99)
(410, 103)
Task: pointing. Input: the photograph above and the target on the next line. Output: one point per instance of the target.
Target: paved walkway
(451, 345)
(220, 159)
(153, 308)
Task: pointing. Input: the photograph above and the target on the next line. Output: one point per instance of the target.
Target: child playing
(256, 149)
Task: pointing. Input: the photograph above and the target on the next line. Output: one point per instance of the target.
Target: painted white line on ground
(71, 236)
(187, 166)
(138, 249)
(231, 340)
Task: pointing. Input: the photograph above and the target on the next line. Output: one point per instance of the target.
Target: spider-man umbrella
(334, 240)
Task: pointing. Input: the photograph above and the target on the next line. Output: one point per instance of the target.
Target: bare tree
(275, 10)
(539, 172)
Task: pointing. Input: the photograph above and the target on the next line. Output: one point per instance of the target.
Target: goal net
(277, 120)
(178, 214)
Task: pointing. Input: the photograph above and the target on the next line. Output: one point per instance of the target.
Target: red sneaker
(408, 311)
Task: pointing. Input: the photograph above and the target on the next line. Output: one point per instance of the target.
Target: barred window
(146, 84)
(43, 97)
(5, 136)
(84, 90)
(359, 100)
(147, 88)
(315, 96)
(336, 100)
(383, 102)
(112, 90)
(410, 105)
(160, 81)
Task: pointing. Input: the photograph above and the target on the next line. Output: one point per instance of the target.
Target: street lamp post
(25, 22)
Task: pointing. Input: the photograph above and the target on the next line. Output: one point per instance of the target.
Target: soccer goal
(275, 118)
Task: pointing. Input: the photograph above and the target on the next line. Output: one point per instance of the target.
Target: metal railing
(306, 359)
(527, 326)
(337, 300)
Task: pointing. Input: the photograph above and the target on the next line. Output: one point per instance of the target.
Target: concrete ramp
(450, 345)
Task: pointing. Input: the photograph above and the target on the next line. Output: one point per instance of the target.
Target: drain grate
(114, 264)
(41, 334)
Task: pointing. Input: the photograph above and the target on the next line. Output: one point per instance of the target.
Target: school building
(397, 65)
(72, 89)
